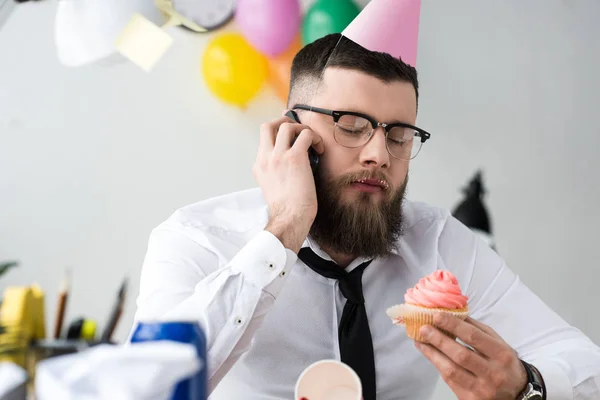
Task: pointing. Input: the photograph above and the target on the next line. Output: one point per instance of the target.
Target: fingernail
(439, 319)
(425, 332)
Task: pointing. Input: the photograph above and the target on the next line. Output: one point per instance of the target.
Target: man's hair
(310, 63)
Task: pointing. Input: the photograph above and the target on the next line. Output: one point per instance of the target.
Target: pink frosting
(439, 289)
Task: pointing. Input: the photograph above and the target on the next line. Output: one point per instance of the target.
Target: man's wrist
(540, 380)
(535, 387)
(525, 386)
(291, 234)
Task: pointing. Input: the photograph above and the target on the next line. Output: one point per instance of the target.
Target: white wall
(92, 159)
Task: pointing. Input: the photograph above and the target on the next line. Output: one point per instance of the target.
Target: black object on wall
(472, 211)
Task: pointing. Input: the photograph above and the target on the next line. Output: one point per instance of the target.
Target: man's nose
(375, 152)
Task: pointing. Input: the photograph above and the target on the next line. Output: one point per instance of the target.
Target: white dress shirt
(267, 316)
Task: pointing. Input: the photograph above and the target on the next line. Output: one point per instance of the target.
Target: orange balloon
(280, 68)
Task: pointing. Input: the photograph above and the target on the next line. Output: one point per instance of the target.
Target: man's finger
(483, 327)
(286, 134)
(481, 341)
(458, 378)
(268, 133)
(310, 138)
(466, 358)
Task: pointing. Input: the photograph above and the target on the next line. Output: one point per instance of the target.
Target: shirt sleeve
(567, 359)
(182, 279)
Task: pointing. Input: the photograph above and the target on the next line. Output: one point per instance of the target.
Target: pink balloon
(269, 25)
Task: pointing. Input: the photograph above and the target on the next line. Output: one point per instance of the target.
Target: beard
(361, 227)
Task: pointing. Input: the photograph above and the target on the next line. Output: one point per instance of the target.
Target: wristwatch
(535, 389)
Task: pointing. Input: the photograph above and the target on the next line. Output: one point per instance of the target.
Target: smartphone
(313, 156)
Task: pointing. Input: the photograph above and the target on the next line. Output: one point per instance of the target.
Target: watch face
(209, 14)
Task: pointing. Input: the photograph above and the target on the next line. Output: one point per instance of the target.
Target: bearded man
(303, 267)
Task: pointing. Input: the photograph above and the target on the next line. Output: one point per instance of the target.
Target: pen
(63, 296)
(116, 313)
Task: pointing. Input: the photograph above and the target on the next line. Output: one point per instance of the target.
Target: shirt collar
(308, 242)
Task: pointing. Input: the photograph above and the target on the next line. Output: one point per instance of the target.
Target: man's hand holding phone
(284, 174)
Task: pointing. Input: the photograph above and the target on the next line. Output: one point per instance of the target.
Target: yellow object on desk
(88, 330)
(38, 313)
(22, 320)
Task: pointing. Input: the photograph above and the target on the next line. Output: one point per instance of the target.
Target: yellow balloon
(233, 70)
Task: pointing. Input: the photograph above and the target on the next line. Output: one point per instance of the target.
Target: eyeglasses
(354, 129)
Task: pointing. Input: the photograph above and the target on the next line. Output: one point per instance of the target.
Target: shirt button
(282, 273)
(238, 321)
(270, 265)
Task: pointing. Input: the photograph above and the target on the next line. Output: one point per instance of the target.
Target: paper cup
(328, 380)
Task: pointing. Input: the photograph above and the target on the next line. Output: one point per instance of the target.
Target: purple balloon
(269, 25)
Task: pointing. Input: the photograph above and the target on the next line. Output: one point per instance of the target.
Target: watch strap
(535, 378)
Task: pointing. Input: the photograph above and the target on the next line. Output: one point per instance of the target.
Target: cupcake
(438, 292)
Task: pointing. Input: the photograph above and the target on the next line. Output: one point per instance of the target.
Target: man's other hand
(491, 371)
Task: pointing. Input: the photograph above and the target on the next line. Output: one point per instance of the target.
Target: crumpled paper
(140, 371)
(12, 376)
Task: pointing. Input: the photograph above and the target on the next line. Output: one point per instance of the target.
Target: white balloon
(85, 30)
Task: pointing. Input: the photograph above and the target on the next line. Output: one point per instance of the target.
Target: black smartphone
(313, 156)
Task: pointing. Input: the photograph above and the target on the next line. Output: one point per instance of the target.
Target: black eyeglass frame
(336, 115)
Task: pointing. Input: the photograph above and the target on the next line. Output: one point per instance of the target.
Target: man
(246, 265)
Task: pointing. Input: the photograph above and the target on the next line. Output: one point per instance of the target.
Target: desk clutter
(24, 341)
(161, 361)
(23, 323)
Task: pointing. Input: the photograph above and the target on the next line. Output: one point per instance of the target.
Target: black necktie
(356, 345)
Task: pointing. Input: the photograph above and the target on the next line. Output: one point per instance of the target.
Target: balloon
(233, 70)
(280, 68)
(327, 16)
(85, 30)
(269, 25)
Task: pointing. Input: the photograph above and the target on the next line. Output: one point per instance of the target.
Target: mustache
(350, 178)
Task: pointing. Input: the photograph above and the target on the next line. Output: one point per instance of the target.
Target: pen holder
(43, 349)
(14, 342)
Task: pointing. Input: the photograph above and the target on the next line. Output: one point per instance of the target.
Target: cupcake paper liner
(414, 317)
